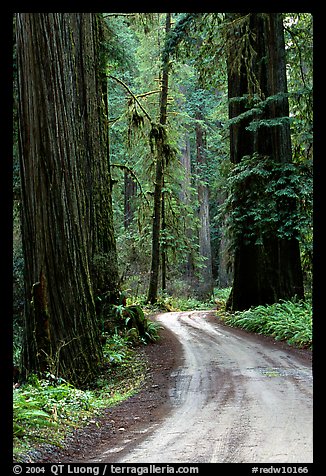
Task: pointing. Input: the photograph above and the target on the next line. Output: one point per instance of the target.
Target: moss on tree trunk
(266, 268)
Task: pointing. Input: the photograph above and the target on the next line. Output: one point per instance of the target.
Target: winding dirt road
(236, 399)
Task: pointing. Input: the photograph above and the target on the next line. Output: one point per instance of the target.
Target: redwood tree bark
(66, 201)
(104, 261)
(271, 270)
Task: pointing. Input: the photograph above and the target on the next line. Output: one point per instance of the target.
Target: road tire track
(235, 399)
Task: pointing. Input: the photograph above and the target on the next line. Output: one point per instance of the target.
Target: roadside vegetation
(289, 321)
(174, 303)
(46, 410)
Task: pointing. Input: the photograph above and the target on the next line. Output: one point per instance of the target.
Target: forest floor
(213, 394)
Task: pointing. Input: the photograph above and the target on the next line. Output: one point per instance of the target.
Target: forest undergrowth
(46, 410)
(289, 321)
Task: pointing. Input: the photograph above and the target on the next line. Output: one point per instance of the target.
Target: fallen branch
(132, 173)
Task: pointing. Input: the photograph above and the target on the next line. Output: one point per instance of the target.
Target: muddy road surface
(236, 398)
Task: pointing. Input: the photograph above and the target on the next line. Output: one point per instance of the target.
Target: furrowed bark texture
(105, 271)
(65, 226)
(267, 272)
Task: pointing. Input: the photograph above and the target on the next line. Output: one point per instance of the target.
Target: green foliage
(197, 37)
(41, 403)
(116, 349)
(119, 45)
(261, 199)
(255, 109)
(136, 327)
(46, 410)
(182, 32)
(175, 303)
(130, 145)
(286, 320)
(222, 294)
(299, 48)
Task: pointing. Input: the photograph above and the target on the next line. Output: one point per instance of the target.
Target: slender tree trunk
(266, 272)
(63, 153)
(222, 258)
(186, 198)
(185, 160)
(205, 286)
(130, 191)
(160, 163)
(163, 245)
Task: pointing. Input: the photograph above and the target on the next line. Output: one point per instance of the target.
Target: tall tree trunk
(222, 258)
(63, 153)
(205, 285)
(188, 270)
(130, 190)
(163, 244)
(270, 270)
(160, 163)
(104, 260)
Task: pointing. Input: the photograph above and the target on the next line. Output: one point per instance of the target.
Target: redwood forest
(162, 164)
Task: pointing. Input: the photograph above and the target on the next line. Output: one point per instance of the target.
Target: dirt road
(236, 398)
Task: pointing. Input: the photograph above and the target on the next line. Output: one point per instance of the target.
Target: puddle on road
(280, 372)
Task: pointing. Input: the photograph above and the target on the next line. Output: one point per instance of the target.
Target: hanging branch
(132, 173)
(132, 95)
(119, 15)
(147, 94)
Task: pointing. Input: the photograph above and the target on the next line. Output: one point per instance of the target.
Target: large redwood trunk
(265, 269)
(66, 203)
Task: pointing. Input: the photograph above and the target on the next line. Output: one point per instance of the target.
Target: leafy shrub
(173, 303)
(40, 403)
(222, 294)
(137, 327)
(45, 410)
(116, 348)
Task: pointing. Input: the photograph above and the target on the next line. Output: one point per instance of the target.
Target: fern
(290, 321)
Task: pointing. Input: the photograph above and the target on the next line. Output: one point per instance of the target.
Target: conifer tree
(161, 158)
(68, 241)
(267, 257)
